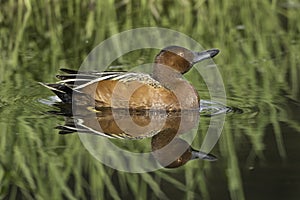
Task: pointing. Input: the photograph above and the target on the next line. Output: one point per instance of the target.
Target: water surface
(259, 61)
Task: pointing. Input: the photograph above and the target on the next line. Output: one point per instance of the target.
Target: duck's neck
(174, 81)
(166, 75)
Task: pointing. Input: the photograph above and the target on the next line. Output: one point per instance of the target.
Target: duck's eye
(181, 54)
(179, 160)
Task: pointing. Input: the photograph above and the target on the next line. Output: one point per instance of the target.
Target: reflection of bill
(169, 149)
(166, 144)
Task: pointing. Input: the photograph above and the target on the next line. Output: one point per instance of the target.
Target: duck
(164, 89)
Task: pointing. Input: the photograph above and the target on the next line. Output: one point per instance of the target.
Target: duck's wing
(84, 79)
(81, 79)
(74, 81)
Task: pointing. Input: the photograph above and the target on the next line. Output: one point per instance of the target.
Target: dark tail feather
(71, 71)
(76, 76)
(68, 71)
(65, 130)
(65, 77)
(62, 91)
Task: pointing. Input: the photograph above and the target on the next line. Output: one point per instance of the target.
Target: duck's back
(131, 90)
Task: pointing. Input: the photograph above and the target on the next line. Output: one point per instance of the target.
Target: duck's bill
(203, 55)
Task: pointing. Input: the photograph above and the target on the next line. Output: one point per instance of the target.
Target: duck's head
(181, 59)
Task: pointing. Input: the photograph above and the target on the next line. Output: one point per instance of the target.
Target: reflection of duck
(165, 129)
(165, 89)
(123, 124)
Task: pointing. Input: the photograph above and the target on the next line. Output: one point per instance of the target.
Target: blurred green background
(260, 63)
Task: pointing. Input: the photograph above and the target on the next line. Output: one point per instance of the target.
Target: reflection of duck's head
(165, 89)
(172, 152)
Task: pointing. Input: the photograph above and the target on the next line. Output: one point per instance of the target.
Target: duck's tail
(73, 81)
(62, 91)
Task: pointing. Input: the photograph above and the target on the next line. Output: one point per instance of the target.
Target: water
(258, 151)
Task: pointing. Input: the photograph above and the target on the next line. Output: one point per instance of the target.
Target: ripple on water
(207, 107)
(212, 108)
(50, 100)
(235, 105)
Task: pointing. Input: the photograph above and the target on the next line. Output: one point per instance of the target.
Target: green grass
(259, 60)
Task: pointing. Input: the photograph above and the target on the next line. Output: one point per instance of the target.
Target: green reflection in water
(259, 62)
